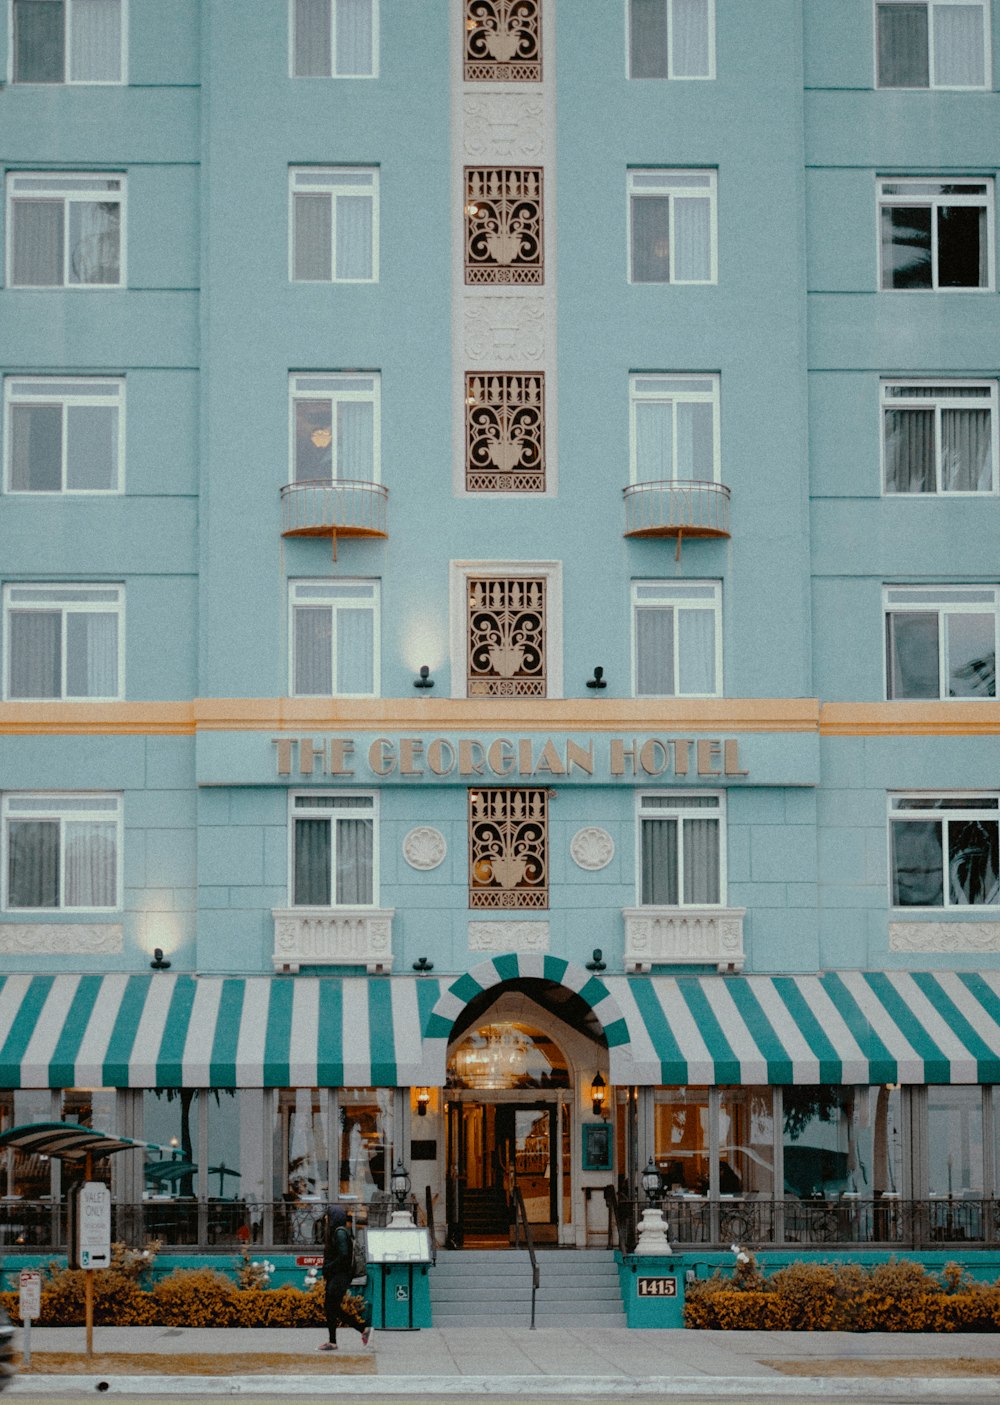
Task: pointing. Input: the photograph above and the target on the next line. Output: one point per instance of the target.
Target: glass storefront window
(681, 1138)
(880, 1141)
(302, 1144)
(92, 1107)
(25, 1177)
(746, 1141)
(819, 1141)
(227, 1130)
(365, 1124)
(170, 1119)
(955, 1141)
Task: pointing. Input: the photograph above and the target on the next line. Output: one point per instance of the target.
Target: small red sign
(309, 1261)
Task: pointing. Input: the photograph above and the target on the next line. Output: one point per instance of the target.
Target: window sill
(683, 936)
(333, 936)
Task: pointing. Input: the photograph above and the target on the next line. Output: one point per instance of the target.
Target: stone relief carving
(424, 847)
(61, 939)
(944, 936)
(592, 848)
(508, 936)
(504, 331)
(503, 127)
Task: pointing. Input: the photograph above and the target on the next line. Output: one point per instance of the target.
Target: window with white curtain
(673, 428)
(68, 41)
(335, 427)
(939, 437)
(941, 641)
(63, 641)
(944, 850)
(672, 226)
(333, 850)
(936, 235)
(932, 43)
(334, 224)
(671, 38)
(682, 849)
(61, 852)
(65, 230)
(334, 38)
(334, 639)
(63, 435)
(676, 639)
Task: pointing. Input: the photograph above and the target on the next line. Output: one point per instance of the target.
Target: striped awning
(838, 1027)
(68, 1141)
(174, 1031)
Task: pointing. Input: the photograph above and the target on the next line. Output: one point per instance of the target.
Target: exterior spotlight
(422, 964)
(400, 1183)
(598, 962)
(423, 1101)
(158, 963)
(425, 680)
(598, 679)
(652, 1184)
(598, 1095)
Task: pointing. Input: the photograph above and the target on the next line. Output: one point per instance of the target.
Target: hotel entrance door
(494, 1147)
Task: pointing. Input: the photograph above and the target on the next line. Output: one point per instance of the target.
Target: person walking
(338, 1270)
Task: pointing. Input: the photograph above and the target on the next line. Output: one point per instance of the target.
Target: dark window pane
(902, 46)
(916, 864)
(33, 864)
(38, 41)
(910, 451)
(312, 863)
(36, 448)
(651, 239)
(972, 656)
(962, 247)
(973, 862)
(35, 641)
(313, 238)
(648, 39)
(38, 243)
(312, 39)
(659, 863)
(906, 246)
(912, 654)
(92, 447)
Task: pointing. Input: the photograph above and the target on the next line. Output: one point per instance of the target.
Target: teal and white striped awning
(173, 1031)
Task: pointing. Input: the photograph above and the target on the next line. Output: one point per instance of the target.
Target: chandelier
(496, 1056)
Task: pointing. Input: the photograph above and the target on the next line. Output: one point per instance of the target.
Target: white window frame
(680, 813)
(459, 574)
(931, 85)
(670, 75)
(662, 181)
(71, 187)
(943, 601)
(53, 596)
(327, 180)
(661, 386)
(66, 80)
(334, 7)
(338, 387)
(924, 195)
(892, 396)
(704, 596)
(319, 594)
(365, 806)
(973, 811)
(62, 807)
(66, 392)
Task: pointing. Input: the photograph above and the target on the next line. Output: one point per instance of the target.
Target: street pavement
(459, 1361)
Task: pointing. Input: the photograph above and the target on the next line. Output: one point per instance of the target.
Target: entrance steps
(492, 1288)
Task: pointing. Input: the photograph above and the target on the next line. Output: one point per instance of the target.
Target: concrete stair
(484, 1288)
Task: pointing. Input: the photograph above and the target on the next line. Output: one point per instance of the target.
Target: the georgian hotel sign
(697, 758)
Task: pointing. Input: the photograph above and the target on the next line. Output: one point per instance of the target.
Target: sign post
(94, 1245)
(29, 1304)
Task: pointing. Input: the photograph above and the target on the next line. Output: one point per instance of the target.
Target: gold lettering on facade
(731, 758)
(309, 753)
(654, 757)
(441, 757)
(580, 757)
(382, 756)
(682, 757)
(471, 758)
(283, 755)
(340, 749)
(410, 748)
(501, 756)
(709, 756)
(524, 756)
(619, 751)
(550, 760)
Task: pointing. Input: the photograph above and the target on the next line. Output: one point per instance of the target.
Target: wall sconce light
(652, 1182)
(158, 963)
(598, 679)
(598, 963)
(425, 680)
(422, 964)
(598, 1094)
(423, 1101)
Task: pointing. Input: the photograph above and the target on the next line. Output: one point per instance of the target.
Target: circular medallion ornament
(592, 848)
(424, 847)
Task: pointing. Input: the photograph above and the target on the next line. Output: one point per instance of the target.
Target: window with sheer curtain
(61, 851)
(941, 641)
(936, 235)
(68, 41)
(939, 438)
(677, 639)
(932, 44)
(671, 38)
(334, 38)
(674, 428)
(333, 850)
(672, 226)
(681, 850)
(63, 435)
(334, 224)
(63, 641)
(335, 425)
(65, 231)
(334, 638)
(944, 850)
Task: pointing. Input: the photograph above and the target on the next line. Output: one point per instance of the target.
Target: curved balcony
(343, 507)
(677, 508)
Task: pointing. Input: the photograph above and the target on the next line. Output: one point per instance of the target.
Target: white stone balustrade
(342, 936)
(683, 936)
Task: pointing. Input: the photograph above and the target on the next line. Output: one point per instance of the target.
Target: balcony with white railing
(333, 936)
(677, 508)
(340, 507)
(683, 936)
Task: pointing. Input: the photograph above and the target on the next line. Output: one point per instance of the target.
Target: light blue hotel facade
(347, 339)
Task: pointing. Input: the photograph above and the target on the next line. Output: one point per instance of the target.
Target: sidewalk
(549, 1361)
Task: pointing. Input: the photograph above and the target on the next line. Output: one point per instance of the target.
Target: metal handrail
(429, 1212)
(519, 1211)
(623, 1223)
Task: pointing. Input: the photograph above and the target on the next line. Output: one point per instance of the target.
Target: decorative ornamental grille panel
(507, 637)
(508, 848)
(503, 41)
(505, 432)
(503, 224)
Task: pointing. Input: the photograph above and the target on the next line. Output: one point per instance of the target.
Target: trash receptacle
(399, 1260)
